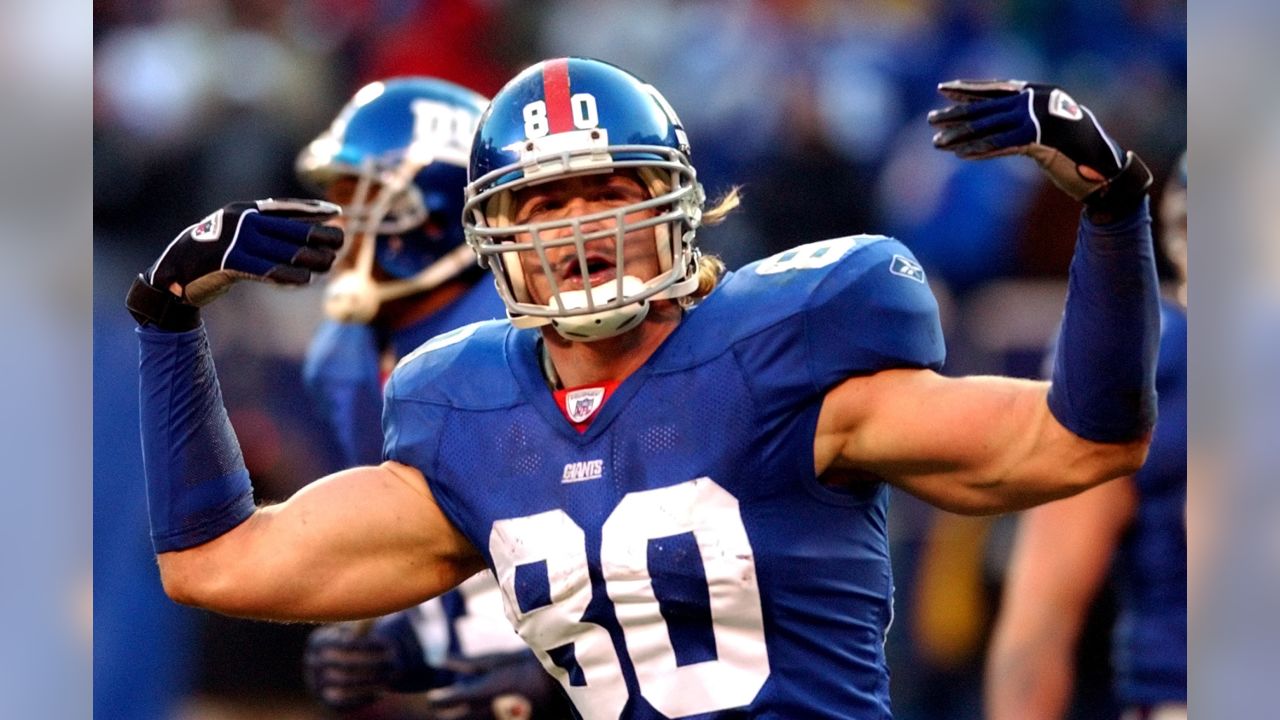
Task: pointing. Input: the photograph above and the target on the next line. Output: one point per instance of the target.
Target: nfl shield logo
(209, 228)
(582, 404)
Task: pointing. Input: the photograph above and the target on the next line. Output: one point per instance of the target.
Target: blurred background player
(395, 160)
(1136, 526)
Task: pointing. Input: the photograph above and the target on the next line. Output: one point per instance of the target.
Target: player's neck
(615, 358)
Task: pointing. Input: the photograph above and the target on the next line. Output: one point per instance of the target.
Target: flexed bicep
(973, 445)
(358, 543)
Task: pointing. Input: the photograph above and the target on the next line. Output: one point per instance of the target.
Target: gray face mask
(617, 305)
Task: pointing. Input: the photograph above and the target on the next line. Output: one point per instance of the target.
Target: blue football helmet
(404, 143)
(574, 116)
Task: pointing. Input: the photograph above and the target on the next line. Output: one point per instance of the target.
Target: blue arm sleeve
(197, 485)
(1105, 365)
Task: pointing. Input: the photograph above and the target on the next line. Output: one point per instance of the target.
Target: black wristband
(160, 309)
(1122, 195)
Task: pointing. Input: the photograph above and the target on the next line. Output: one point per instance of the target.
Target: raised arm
(985, 445)
(355, 544)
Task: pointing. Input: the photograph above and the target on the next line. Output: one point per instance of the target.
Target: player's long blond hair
(711, 267)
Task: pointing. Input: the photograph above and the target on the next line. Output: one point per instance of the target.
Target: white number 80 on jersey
(697, 507)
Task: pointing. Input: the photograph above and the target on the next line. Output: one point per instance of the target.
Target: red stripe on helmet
(555, 88)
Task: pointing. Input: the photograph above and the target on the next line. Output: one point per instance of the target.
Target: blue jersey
(679, 558)
(342, 369)
(1149, 653)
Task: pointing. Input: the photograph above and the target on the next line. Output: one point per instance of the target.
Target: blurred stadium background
(815, 107)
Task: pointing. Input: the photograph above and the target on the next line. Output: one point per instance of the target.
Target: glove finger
(325, 236)
(259, 247)
(326, 646)
(981, 148)
(973, 111)
(347, 652)
(1007, 126)
(294, 232)
(970, 90)
(254, 256)
(314, 259)
(343, 699)
(350, 658)
(301, 209)
(950, 115)
(353, 675)
(288, 275)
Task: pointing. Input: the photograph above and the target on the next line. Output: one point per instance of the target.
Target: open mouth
(600, 268)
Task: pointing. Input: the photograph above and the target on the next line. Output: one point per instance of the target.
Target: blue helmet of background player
(574, 116)
(396, 157)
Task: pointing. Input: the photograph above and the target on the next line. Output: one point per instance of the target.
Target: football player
(395, 160)
(1137, 526)
(679, 477)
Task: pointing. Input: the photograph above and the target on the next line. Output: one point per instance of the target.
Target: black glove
(1006, 117)
(349, 665)
(280, 241)
(509, 686)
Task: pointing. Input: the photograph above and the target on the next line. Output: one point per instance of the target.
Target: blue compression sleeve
(197, 485)
(1105, 366)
